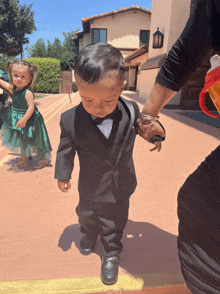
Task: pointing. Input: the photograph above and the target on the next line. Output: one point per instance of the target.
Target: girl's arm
(29, 97)
(6, 86)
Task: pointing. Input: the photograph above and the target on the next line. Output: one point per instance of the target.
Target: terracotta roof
(137, 53)
(85, 19)
(79, 32)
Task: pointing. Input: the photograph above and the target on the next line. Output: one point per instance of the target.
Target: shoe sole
(88, 252)
(85, 252)
(109, 283)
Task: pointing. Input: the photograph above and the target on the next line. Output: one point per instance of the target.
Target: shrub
(48, 69)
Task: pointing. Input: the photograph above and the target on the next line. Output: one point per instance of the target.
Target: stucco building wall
(123, 30)
(80, 44)
(171, 17)
(138, 61)
(86, 40)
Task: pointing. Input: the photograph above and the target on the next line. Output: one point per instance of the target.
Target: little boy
(101, 129)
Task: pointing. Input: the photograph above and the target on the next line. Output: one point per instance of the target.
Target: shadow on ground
(29, 168)
(149, 253)
(194, 118)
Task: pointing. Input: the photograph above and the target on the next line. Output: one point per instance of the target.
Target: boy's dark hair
(95, 61)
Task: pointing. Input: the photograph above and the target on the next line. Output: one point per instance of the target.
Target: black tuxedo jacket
(107, 171)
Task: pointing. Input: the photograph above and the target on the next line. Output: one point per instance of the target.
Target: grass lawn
(37, 95)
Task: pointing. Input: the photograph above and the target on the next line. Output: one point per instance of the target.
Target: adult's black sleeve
(194, 43)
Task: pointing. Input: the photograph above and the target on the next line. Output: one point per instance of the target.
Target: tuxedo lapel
(85, 132)
(124, 126)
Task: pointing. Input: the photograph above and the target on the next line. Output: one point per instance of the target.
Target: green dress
(4, 77)
(33, 138)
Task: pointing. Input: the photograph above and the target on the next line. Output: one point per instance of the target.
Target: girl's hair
(32, 70)
(94, 62)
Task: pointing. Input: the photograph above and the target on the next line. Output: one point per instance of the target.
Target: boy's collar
(94, 117)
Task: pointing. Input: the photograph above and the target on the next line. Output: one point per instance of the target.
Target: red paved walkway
(36, 216)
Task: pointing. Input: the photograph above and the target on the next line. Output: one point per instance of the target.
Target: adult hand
(150, 131)
(21, 123)
(64, 186)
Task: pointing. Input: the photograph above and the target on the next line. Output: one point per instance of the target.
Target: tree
(49, 49)
(69, 51)
(38, 49)
(3, 59)
(16, 21)
(56, 49)
(67, 60)
(68, 44)
(65, 52)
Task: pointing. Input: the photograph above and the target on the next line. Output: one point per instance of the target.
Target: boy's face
(100, 98)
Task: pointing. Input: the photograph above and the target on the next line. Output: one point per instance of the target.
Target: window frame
(99, 34)
(140, 43)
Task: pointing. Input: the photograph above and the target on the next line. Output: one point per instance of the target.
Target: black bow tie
(115, 115)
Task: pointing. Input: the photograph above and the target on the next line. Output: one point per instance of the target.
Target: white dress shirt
(105, 127)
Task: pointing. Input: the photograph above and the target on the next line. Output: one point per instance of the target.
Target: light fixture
(158, 39)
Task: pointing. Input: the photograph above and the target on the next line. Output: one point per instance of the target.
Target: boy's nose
(99, 106)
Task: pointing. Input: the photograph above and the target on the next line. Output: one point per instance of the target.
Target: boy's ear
(124, 83)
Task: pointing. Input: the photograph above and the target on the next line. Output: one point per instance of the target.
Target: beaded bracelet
(146, 120)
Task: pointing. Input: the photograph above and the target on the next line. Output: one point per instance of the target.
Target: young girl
(23, 127)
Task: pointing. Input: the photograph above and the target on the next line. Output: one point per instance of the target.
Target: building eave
(140, 51)
(86, 20)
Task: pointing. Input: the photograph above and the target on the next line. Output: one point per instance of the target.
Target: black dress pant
(199, 227)
(106, 219)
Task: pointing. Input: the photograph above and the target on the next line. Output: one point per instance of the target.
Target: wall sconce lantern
(158, 39)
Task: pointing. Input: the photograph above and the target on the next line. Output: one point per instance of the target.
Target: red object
(210, 79)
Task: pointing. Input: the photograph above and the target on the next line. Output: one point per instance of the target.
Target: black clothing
(107, 171)
(107, 175)
(108, 219)
(115, 115)
(199, 227)
(199, 197)
(200, 34)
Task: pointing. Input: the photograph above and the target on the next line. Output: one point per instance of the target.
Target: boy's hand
(64, 186)
(148, 132)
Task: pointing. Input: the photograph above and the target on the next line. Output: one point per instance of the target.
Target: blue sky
(52, 17)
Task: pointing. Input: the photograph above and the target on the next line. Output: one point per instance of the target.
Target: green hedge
(48, 69)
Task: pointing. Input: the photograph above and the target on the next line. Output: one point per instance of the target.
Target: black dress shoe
(109, 273)
(85, 246)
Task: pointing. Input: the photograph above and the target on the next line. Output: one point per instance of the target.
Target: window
(144, 37)
(99, 35)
